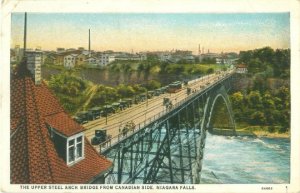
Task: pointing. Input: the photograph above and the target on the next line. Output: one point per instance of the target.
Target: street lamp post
(147, 97)
(106, 111)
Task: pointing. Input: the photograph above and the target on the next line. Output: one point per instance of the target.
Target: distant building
(81, 59)
(165, 56)
(70, 49)
(49, 58)
(189, 58)
(143, 56)
(34, 59)
(60, 56)
(241, 68)
(91, 61)
(18, 53)
(134, 57)
(105, 59)
(81, 48)
(60, 50)
(227, 58)
(210, 56)
(70, 60)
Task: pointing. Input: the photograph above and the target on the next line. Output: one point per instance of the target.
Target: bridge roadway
(143, 113)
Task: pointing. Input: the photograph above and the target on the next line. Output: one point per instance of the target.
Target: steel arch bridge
(170, 149)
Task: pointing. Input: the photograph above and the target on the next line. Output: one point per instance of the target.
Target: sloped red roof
(63, 124)
(33, 156)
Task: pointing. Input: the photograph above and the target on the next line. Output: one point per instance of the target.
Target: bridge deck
(144, 113)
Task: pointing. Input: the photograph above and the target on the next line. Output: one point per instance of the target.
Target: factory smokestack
(89, 42)
(25, 33)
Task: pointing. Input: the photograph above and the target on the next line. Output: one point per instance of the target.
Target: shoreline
(252, 133)
(262, 132)
(271, 135)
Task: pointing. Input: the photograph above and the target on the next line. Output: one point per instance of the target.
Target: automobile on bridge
(83, 117)
(143, 97)
(128, 101)
(108, 109)
(100, 136)
(96, 112)
(157, 92)
(150, 94)
(124, 104)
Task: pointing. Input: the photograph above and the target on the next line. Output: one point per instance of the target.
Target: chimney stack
(25, 34)
(33, 58)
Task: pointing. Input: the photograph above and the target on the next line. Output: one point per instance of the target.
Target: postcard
(150, 96)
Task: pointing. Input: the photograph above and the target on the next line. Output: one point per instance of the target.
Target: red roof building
(46, 145)
(241, 68)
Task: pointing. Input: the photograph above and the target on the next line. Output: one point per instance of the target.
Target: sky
(153, 31)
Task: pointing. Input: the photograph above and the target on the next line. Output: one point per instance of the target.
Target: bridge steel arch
(170, 149)
(216, 94)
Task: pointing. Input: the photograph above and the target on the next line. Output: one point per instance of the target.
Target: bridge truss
(170, 149)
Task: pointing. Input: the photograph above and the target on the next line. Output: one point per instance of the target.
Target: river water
(245, 160)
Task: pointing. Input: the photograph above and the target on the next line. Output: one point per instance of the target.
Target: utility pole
(105, 107)
(199, 53)
(147, 97)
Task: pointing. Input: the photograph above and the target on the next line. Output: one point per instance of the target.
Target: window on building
(75, 150)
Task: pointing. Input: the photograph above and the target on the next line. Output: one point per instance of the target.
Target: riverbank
(264, 131)
(271, 135)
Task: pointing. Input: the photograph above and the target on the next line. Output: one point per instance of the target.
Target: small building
(70, 60)
(241, 68)
(81, 59)
(91, 61)
(50, 59)
(105, 59)
(165, 56)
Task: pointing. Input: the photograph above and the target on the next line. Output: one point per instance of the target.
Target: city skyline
(152, 32)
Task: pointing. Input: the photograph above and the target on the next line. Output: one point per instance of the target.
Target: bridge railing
(143, 124)
(121, 136)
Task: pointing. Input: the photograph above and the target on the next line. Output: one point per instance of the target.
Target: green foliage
(271, 129)
(274, 63)
(67, 83)
(175, 69)
(138, 89)
(264, 105)
(125, 91)
(210, 71)
(69, 88)
(107, 95)
(258, 118)
(263, 108)
(208, 61)
(153, 84)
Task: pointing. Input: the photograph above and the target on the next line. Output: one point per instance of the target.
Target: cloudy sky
(149, 32)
